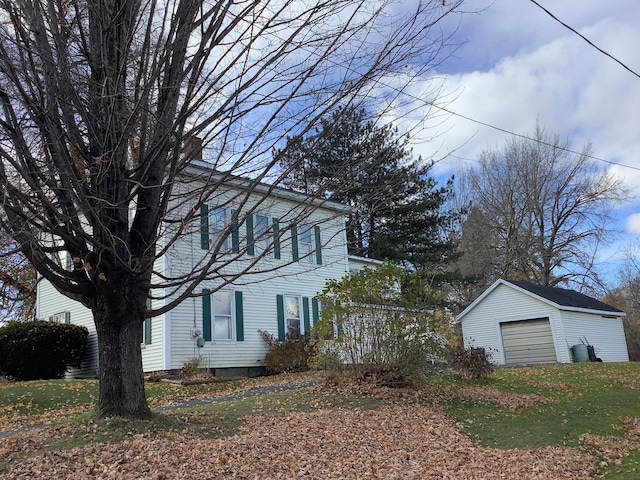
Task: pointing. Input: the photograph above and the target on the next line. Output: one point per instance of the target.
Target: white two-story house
(281, 251)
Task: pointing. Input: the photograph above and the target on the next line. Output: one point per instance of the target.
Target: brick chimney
(192, 147)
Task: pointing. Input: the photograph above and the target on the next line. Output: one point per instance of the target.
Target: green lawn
(45, 396)
(593, 398)
(597, 398)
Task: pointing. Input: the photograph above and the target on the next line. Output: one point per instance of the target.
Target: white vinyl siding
(606, 334)
(50, 302)
(267, 278)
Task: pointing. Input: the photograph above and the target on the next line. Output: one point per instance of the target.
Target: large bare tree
(626, 296)
(540, 211)
(101, 101)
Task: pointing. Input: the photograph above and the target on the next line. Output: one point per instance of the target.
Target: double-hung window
(306, 243)
(292, 316)
(296, 315)
(261, 233)
(61, 317)
(218, 222)
(222, 315)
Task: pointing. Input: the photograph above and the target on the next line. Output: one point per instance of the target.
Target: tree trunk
(119, 321)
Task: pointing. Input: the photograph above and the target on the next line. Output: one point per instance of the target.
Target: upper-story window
(261, 234)
(218, 223)
(307, 244)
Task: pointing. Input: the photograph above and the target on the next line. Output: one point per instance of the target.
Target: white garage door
(528, 341)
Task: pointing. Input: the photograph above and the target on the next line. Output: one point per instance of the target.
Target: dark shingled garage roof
(564, 297)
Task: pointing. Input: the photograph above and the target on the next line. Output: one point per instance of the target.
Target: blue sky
(516, 65)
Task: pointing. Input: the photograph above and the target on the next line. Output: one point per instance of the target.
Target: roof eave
(604, 313)
(198, 170)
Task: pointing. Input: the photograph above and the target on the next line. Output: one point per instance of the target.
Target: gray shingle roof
(564, 297)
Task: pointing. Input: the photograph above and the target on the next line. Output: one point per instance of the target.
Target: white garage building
(523, 323)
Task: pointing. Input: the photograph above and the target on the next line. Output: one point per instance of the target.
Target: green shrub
(292, 355)
(472, 362)
(41, 350)
(375, 325)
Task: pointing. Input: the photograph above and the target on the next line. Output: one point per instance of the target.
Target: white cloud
(633, 223)
(566, 86)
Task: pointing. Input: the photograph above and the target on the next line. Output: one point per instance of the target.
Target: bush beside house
(375, 323)
(40, 349)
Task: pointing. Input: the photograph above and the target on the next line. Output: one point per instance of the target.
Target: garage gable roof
(564, 297)
(561, 298)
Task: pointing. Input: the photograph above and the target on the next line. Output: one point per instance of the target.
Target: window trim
(60, 317)
(259, 243)
(217, 228)
(312, 253)
(232, 316)
(300, 318)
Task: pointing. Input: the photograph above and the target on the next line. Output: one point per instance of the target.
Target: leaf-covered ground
(408, 436)
(393, 442)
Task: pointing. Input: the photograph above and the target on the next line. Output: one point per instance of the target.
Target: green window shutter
(51, 318)
(315, 310)
(318, 242)
(239, 317)
(67, 317)
(235, 233)
(305, 316)
(250, 245)
(294, 243)
(276, 238)
(147, 331)
(280, 308)
(204, 226)
(206, 314)
(147, 324)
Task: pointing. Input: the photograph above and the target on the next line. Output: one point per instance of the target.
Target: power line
(585, 38)
(568, 150)
(488, 125)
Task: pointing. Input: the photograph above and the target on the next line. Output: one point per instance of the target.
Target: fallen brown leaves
(393, 442)
(29, 441)
(434, 395)
(15, 422)
(612, 449)
(512, 401)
